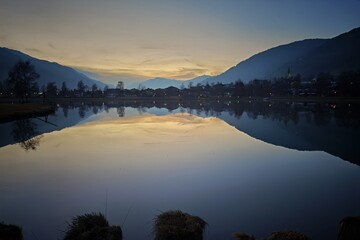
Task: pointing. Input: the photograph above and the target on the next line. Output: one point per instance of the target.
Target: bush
(176, 225)
(10, 232)
(92, 227)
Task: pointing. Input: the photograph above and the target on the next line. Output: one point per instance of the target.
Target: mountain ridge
(160, 82)
(48, 71)
(307, 57)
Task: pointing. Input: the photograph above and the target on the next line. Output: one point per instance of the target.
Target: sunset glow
(133, 40)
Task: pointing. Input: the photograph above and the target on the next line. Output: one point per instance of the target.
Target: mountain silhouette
(163, 83)
(307, 58)
(49, 71)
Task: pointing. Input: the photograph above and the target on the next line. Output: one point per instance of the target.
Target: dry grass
(287, 235)
(349, 228)
(243, 236)
(176, 225)
(10, 232)
(92, 227)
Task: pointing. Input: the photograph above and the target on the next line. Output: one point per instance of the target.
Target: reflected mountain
(330, 127)
(66, 115)
(306, 126)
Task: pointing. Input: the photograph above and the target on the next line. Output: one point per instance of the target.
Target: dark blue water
(242, 167)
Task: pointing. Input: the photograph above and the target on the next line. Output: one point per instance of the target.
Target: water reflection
(25, 134)
(330, 127)
(150, 163)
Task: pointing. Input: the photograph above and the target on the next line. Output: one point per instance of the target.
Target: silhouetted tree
(1, 86)
(296, 83)
(51, 89)
(81, 87)
(64, 89)
(322, 83)
(349, 83)
(94, 89)
(238, 89)
(35, 88)
(20, 79)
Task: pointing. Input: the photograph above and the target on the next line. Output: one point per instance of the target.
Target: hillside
(49, 71)
(307, 57)
(338, 54)
(264, 64)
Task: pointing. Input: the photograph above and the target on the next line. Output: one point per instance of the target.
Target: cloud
(52, 46)
(34, 50)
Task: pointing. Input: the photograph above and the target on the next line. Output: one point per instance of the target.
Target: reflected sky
(146, 164)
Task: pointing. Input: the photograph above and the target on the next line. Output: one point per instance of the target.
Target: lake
(253, 167)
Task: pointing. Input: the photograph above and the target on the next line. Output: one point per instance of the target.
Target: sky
(133, 40)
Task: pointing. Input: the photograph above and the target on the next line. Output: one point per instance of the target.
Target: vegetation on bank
(10, 232)
(170, 225)
(92, 227)
(176, 225)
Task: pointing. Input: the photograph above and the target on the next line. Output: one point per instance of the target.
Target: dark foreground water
(242, 167)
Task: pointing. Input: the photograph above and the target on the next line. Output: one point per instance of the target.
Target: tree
(2, 88)
(238, 89)
(81, 87)
(35, 89)
(51, 89)
(323, 82)
(64, 89)
(296, 83)
(21, 78)
(106, 88)
(94, 89)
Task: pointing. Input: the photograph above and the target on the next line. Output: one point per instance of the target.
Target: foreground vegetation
(92, 226)
(171, 225)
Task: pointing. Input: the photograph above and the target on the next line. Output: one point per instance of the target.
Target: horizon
(138, 41)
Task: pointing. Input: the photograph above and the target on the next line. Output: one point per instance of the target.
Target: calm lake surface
(243, 167)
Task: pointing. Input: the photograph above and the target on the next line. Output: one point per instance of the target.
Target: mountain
(341, 53)
(308, 58)
(165, 82)
(49, 71)
(196, 80)
(264, 64)
(303, 135)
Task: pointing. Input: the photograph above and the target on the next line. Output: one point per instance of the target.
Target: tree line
(21, 83)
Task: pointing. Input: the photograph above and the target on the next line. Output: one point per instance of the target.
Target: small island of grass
(14, 111)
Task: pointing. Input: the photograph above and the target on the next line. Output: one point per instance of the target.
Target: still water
(247, 167)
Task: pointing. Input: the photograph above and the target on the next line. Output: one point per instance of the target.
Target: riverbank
(51, 100)
(15, 111)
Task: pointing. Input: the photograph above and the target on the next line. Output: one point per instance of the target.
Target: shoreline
(15, 111)
(127, 99)
(11, 109)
